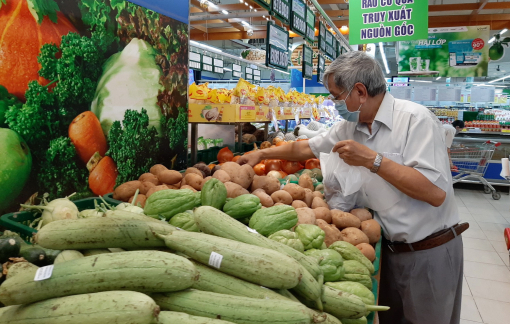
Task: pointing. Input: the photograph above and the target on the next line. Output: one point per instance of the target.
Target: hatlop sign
(372, 21)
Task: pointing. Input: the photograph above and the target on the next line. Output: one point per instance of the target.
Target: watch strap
(377, 163)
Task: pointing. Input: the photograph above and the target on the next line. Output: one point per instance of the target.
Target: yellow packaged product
(223, 96)
(282, 97)
(261, 96)
(240, 92)
(212, 97)
(271, 96)
(198, 94)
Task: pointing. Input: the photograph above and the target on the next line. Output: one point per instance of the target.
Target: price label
(207, 60)
(247, 112)
(249, 70)
(195, 61)
(218, 63)
(321, 67)
(215, 260)
(236, 67)
(218, 69)
(322, 37)
(206, 67)
(43, 273)
(307, 69)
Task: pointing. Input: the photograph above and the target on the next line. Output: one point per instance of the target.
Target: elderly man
(403, 143)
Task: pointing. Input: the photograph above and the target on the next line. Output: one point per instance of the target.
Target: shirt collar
(385, 112)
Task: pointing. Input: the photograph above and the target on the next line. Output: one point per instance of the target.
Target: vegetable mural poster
(447, 52)
(92, 94)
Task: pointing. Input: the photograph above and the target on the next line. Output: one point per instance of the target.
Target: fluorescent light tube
(492, 40)
(224, 12)
(227, 69)
(245, 23)
(503, 31)
(505, 77)
(381, 48)
(438, 78)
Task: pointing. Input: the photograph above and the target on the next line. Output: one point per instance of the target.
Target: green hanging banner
(372, 21)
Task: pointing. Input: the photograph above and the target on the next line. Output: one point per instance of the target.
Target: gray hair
(353, 67)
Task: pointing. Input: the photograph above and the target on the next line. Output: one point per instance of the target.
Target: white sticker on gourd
(43, 273)
(251, 230)
(215, 260)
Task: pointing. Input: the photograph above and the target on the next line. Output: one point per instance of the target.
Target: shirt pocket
(377, 193)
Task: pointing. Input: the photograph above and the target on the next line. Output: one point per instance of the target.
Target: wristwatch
(377, 163)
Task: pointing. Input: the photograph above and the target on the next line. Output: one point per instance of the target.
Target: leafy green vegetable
(61, 170)
(176, 129)
(45, 8)
(133, 145)
(7, 100)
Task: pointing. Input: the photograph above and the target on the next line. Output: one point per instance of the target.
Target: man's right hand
(251, 159)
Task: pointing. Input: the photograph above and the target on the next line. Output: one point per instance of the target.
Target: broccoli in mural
(122, 63)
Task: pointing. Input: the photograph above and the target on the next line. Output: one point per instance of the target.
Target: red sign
(478, 44)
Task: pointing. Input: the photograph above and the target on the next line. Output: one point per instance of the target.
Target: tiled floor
(486, 289)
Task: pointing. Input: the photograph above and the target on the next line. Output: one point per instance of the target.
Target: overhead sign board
(277, 48)
(373, 21)
(298, 17)
(322, 37)
(281, 9)
(307, 70)
(195, 61)
(207, 63)
(321, 68)
(310, 26)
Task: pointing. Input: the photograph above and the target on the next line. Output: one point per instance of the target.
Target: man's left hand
(355, 154)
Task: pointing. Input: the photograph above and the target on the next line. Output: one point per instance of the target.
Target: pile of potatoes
(356, 227)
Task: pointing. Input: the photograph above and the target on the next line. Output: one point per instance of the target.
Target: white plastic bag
(348, 186)
(332, 188)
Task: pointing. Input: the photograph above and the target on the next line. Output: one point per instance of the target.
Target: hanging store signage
(195, 61)
(329, 37)
(256, 75)
(307, 70)
(249, 73)
(207, 63)
(218, 66)
(338, 49)
(281, 9)
(321, 68)
(372, 21)
(266, 4)
(310, 26)
(298, 14)
(277, 48)
(322, 37)
(237, 71)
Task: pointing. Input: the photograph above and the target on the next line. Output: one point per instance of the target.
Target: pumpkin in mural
(25, 25)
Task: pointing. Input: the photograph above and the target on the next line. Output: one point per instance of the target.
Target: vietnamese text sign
(207, 63)
(277, 47)
(307, 71)
(298, 14)
(310, 25)
(448, 52)
(372, 21)
(401, 92)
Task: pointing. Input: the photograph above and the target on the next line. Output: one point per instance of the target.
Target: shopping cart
(471, 161)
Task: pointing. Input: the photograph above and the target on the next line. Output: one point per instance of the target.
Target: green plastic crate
(19, 222)
(375, 284)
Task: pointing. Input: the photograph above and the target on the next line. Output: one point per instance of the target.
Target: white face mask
(341, 107)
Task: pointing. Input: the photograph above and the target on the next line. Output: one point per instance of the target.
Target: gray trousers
(422, 287)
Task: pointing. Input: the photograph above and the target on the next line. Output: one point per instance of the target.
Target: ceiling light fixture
(503, 31)
(438, 78)
(225, 12)
(255, 10)
(505, 77)
(492, 40)
(381, 48)
(263, 16)
(245, 23)
(251, 7)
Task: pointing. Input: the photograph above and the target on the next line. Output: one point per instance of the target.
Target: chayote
(330, 262)
(311, 236)
(288, 238)
(184, 221)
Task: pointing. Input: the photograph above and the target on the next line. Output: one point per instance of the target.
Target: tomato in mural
(93, 92)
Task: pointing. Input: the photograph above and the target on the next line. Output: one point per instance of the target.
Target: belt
(430, 242)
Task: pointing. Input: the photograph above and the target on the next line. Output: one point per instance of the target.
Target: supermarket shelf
(228, 113)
